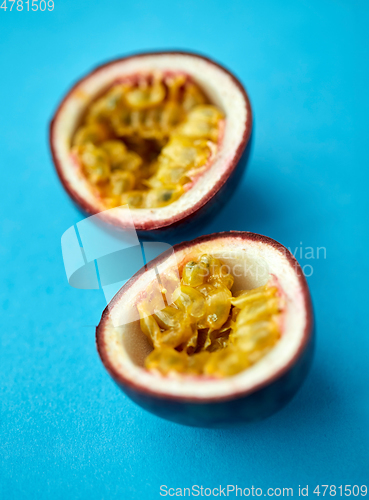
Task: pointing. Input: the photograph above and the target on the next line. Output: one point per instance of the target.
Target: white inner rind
(126, 347)
(218, 85)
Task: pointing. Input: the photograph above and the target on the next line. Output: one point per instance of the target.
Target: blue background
(66, 430)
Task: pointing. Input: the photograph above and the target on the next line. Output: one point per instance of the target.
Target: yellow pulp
(144, 142)
(207, 330)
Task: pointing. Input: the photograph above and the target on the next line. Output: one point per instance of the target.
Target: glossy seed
(206, 330)
(159, 128)
(91, 134)
(190, 300)
(95, 162)
(169, 317)
(194, 274)
(166, 360)
(149, 326)
(161, 197)
(121, 182)
(177, 335)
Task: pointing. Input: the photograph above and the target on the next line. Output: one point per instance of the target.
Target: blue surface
(66, 430)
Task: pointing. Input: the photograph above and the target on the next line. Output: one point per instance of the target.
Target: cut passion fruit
(221, 334)
(165, 134)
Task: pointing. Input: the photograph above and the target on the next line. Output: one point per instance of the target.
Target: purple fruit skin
(255, 406)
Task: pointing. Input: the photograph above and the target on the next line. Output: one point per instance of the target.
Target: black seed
(166, 196)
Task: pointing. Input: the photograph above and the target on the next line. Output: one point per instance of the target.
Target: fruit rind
(191, 208)
(237, 391)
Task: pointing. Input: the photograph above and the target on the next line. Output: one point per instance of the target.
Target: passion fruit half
(167, 134)
(217, 333)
